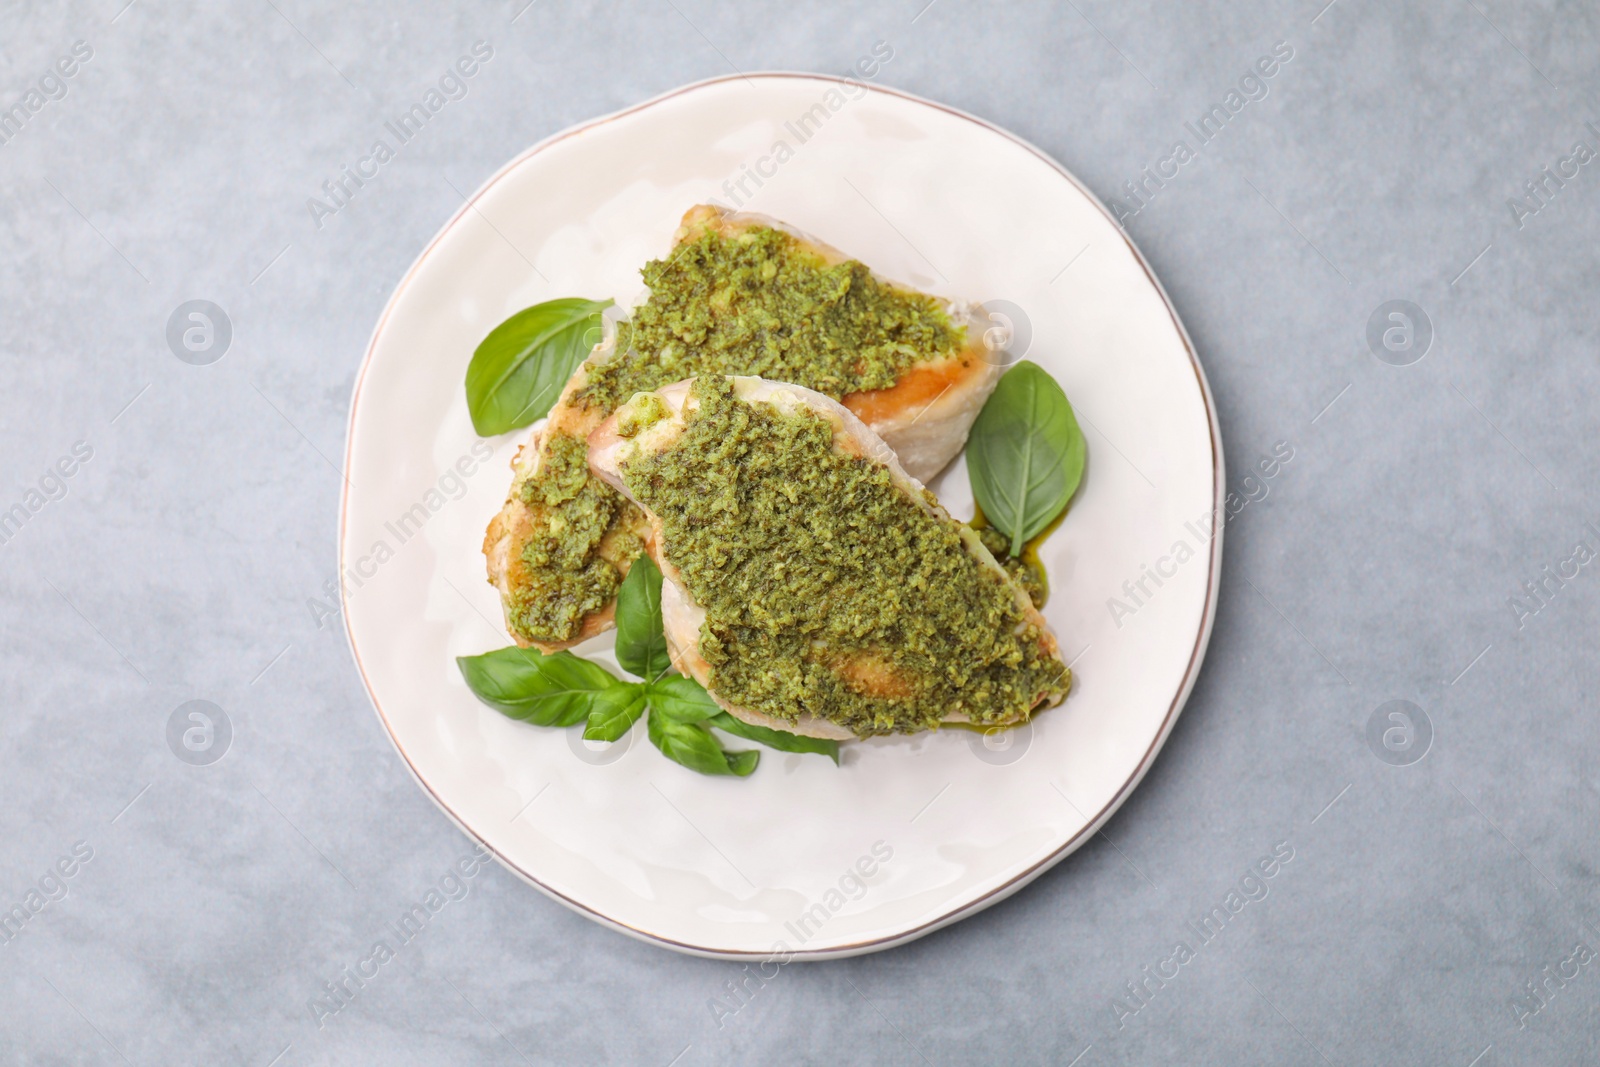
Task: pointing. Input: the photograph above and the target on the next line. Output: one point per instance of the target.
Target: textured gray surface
(178, 564)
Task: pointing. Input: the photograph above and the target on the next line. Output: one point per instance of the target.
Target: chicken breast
(926, 414)
(558, 549)
(811, 584)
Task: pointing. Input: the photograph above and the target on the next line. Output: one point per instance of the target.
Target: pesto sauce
(1027, 571)
(567, 577)
(647, 412)
(810, 563)
(761, 303)
(755, 303)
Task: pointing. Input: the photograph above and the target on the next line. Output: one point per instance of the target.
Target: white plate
(729, 867)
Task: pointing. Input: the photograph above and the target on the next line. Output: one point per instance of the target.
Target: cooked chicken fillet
(564, 597)
(925, 416)
(657, 423)
(521, 521)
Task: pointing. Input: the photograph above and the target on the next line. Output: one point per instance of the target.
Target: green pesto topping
(828, 590)
(760, 303)
(1026, 571)
(650, 410)
(567, 577)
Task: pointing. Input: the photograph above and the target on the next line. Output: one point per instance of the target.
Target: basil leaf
(641, 644)
(740, 764)
(614, 711)
(525, 684)
(693, 746)
(1025, 454)
(683, 699)
(778, 739)
(518, 371)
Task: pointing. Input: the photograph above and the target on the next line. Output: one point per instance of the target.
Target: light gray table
(1383, 563)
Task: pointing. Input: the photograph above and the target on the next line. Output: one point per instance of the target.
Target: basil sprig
(517, 372)
(1025, 454)
(679, 697)
(778, 739)
(641, 642)
(693, 746)
(613, 713)
(561, 689)
(546, 690)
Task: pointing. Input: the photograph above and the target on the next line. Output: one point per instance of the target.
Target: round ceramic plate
(908, 834)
